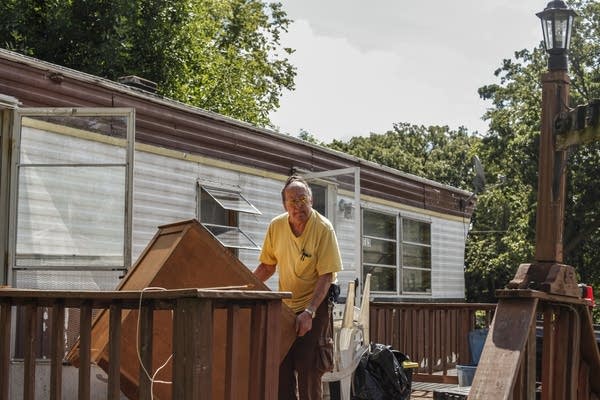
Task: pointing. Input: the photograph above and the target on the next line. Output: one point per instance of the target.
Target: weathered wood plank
(272, 345)
(57, 350)
(85, 343)
(146, 335)
(232, 378)
(589, 351)
(258, 324)
(574, 361)
(503, 350)
(30, 352)
(530, 368)
(192, 350)
(548, 350)
(578, 137)
(5, 330)
(583, 383)
(114, 349)
(561, 357)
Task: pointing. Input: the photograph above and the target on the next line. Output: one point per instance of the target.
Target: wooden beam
(504, 349)
(587, 135)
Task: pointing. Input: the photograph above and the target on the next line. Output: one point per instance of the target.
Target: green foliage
(433, 152)
(309, 137)
(221, 55)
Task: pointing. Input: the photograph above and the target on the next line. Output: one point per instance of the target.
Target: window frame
(232, 215)
(400, 266)
(128, 142)
(402, 243)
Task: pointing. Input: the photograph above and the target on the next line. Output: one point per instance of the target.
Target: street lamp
(548, 273)
(557, 24)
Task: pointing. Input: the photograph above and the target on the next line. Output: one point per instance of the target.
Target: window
(219, 213)
(379, 251)
(416, 256)
(71, 203)
(397, 253)
(319, 197)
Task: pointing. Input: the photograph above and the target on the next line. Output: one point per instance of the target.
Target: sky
(363, 65)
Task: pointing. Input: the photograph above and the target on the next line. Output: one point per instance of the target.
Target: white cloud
(364, 66)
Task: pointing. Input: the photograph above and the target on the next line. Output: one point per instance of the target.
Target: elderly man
(302, 245)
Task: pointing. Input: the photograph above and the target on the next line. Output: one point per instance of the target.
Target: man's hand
(303, 323)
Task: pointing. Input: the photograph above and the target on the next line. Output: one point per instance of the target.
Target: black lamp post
(557, 24)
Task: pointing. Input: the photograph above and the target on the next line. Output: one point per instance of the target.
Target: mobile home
(91, 168)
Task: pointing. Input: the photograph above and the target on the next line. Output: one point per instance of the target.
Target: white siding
(447, 253)
(165, 191)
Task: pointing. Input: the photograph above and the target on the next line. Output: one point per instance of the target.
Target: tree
(309, 137)
(222, 55)
(434, 152)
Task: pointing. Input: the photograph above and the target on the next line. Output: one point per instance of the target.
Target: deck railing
(435, 335)
(194, 323)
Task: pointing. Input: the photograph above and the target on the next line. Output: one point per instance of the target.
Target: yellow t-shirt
(301, 260)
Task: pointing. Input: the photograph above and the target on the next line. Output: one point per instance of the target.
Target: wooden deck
(441, 391)
(435, 334)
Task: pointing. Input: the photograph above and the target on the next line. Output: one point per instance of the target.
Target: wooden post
(5, 329)
(552, 173)
(57, 350)
(192, 349)
(146, 335)
(548, 273)
(85, 343)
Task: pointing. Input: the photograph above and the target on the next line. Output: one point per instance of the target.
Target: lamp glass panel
(560, 31)
(569, 27)
(548, 34)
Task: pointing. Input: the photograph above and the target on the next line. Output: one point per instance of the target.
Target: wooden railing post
(258, 368)
(231, 378)
(145, 343)
(114, 366)
(85, 344)
(192, 349)
(30, 352)
(271, 338)
(57, 350)
(5, 328)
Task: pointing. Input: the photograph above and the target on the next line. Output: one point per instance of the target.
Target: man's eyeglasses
(300, 201)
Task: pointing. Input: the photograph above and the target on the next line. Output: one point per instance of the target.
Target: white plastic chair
(351, 339)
